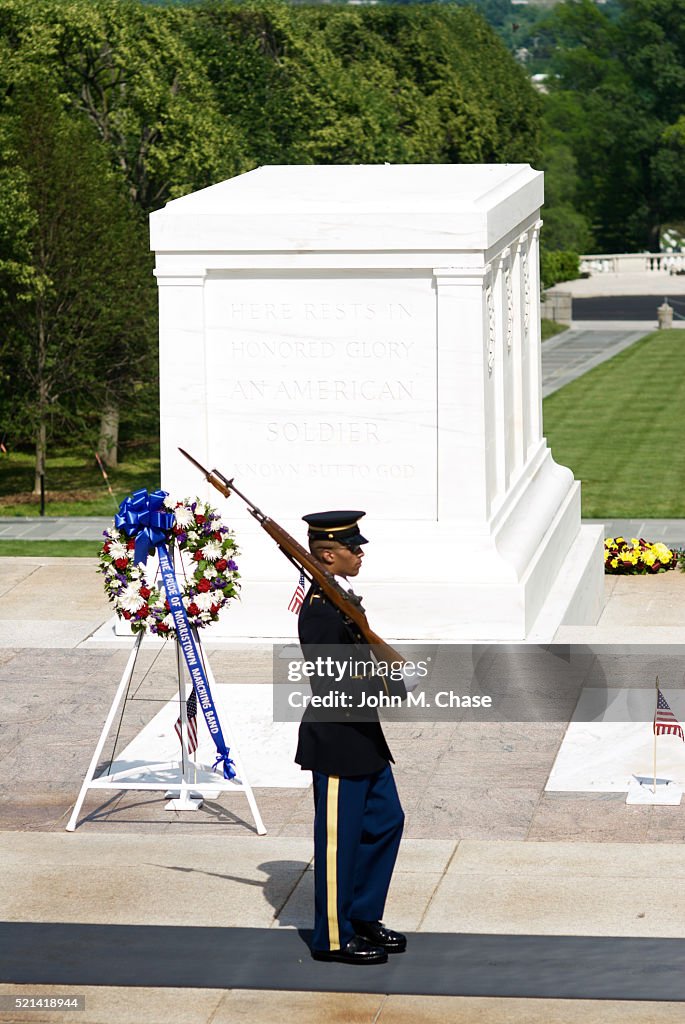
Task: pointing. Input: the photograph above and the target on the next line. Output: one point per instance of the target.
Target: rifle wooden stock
(348, 604)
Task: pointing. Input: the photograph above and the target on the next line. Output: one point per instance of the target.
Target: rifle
(346, 602)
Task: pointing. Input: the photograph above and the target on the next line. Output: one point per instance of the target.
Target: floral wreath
(637, 556)
(209, 583)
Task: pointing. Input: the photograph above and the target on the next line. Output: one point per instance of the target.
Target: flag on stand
(191, 715)
(298, 597)
(665, 722)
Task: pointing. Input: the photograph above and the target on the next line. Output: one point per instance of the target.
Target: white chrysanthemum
(118, 550)
(170, 502)
(184, 516)
(113, 533)
(193, 536)
(209, 572)
(168, 620)
(131, 600)
(204, 602)
(211, 551)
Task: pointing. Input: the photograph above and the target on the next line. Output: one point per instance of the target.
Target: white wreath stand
(185, 793)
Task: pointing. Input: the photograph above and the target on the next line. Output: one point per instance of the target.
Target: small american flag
(191, 715)
(665, 722)
(298, 597)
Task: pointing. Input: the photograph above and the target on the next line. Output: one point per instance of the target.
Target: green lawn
(53, 548)
(621, 429)
(550, 329)
(73, 483)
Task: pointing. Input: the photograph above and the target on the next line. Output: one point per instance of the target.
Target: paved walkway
(571, 354)
(522, 906)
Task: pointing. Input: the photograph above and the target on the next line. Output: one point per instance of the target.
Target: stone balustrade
(633, 263)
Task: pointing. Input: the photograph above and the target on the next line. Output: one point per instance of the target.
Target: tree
(394, 83)
(617, 95)
(75, 316)
(128, 69)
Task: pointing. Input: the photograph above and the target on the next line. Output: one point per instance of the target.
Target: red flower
(127, 615)
(106, 546)
(214, 609)
(131, 545)
(217, 535)
(145, 592)
(143, 611)
(167, 606)
(197, 557)
(204, 586)
(199, 518)
(193, 609)
(162, 628)
(121, 563)
(221, 564)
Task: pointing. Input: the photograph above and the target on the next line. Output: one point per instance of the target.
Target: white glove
(410, 678)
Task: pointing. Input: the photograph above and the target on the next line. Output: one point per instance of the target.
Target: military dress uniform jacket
(343, 746)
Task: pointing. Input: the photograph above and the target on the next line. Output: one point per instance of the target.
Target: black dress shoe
(379, 935)
(357, 951)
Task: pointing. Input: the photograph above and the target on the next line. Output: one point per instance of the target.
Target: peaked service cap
(342, 527)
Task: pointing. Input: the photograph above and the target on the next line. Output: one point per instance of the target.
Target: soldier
(358, 818)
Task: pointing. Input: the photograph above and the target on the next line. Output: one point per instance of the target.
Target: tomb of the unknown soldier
(370, 334)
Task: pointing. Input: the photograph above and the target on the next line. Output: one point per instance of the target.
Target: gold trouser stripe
(332, 860)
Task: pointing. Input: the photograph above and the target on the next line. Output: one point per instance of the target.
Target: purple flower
(232, 565)
(181, 537)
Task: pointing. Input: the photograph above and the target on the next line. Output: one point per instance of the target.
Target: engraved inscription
(279, 348)
(318, 432)
(329, 379)
(319, 311)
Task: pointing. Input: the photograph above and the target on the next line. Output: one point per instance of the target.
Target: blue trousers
(358, 824)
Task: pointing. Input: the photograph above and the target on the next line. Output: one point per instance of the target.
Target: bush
(558, 266)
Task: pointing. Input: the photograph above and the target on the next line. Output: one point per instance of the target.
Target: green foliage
(564, 227)
(342, 85)
(617, 92)
(110, 108)
(558, 266)
(75, 282)
(129, 70)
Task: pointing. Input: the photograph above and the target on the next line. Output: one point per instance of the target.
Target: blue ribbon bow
(142, 516)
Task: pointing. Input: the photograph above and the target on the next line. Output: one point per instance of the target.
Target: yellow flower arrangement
(637, 556)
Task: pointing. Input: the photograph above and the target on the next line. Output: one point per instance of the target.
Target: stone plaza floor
(521, 905)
